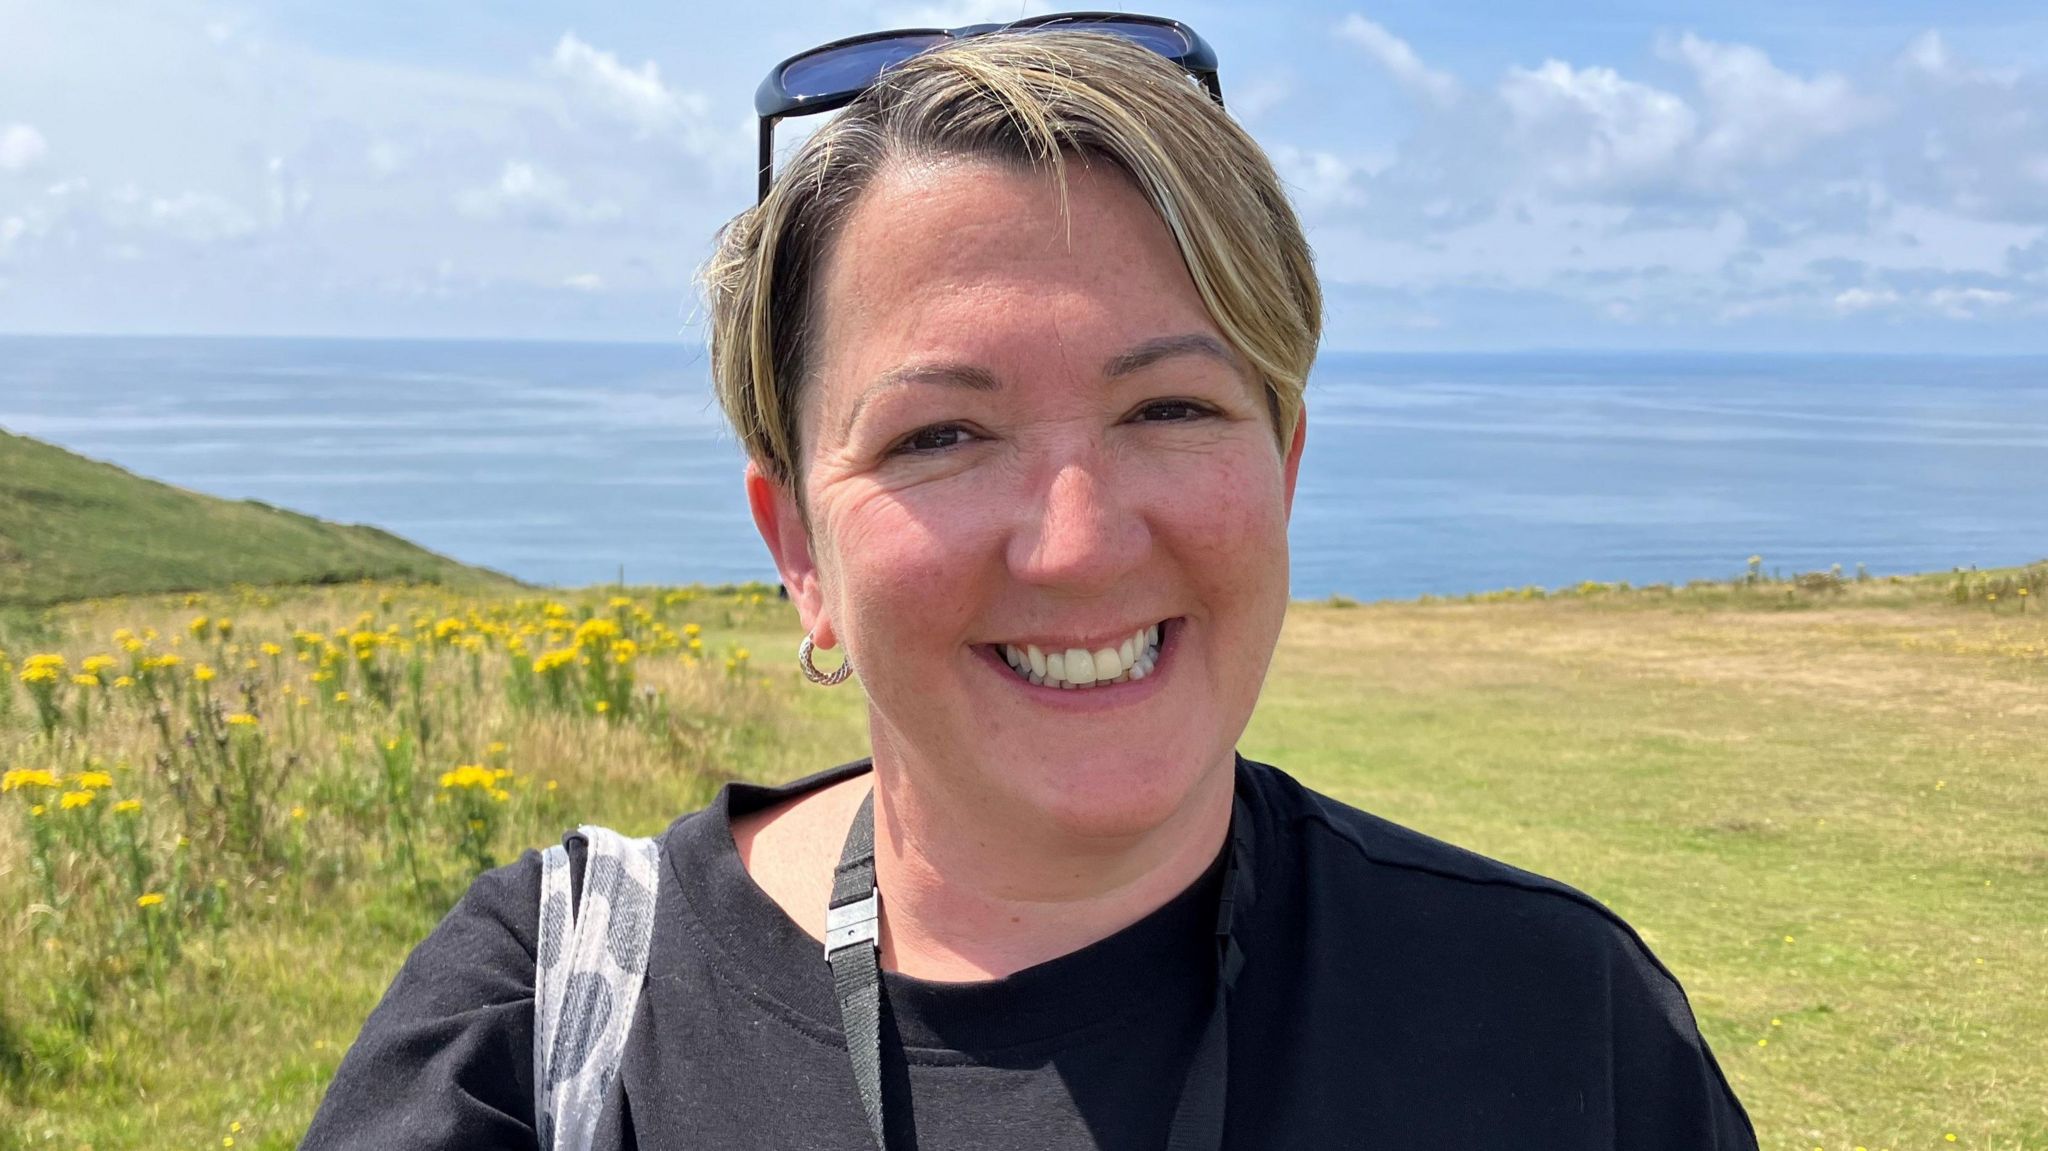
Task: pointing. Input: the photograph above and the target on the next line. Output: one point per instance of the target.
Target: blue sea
(571, 463)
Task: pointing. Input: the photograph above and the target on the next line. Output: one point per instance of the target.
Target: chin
(1113, 795)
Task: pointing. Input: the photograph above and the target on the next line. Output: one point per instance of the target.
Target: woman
(1016, 348)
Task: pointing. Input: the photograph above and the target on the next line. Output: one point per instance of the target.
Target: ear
(781, 524)
(1292, 465)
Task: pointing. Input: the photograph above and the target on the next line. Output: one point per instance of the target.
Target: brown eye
(1171, 411)
(936, 438)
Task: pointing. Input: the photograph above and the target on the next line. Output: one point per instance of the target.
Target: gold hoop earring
(826, 678)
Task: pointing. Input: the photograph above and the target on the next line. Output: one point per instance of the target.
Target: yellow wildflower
(603, 706)
(497, 747)
(93, 780)
(549, 661)
(73, 799)
(242, 719)
(86, 680)
(128, 805)
(298, 813)
(202, 673)
(341, 697)
(96, 664)
(692, 630)
(198, 625)
(37, 810)
(468, 775)
(150, 899)
(124, 681)
(590, 631)
(22, 777)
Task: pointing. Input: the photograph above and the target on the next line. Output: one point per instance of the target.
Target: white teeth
(1133, 659)
(1108, 664)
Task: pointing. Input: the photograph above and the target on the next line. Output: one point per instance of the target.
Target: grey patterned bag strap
(591, 961)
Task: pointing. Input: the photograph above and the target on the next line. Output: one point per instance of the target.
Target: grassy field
(72, 528)
(1825, 805)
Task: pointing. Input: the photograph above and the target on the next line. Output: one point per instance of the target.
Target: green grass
(1834, 818)
(73, 528)
(1826, 809)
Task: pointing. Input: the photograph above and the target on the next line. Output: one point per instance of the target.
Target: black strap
(853, 949)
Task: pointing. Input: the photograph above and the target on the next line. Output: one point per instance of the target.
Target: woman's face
(1024, 431)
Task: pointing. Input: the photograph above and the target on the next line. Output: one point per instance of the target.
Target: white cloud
(194, 217)
(1758, 113)
(1399, 59)
(1864, 299)
(21, 147)
(384, 157)
(1323, 179)
(1929, 55)
(584, 282)
(1966, 303)
(528, 194)
(1589, 128)
(636, 96)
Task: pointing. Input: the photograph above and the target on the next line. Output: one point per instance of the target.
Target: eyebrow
(982, 380)
(1165, 348)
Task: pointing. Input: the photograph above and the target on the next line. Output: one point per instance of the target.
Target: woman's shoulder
(1380, 868)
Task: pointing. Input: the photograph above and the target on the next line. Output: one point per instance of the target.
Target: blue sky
(1790, 175)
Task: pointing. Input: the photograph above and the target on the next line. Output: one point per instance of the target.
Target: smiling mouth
(1079, 668)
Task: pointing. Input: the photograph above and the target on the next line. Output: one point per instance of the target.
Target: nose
(1079, 530)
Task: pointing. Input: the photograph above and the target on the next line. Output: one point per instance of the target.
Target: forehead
(979, 262)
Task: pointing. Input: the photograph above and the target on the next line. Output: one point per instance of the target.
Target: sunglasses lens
(851, 67)
(1164, 39)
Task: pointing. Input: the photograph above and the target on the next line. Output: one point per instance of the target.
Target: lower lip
(1099, 698)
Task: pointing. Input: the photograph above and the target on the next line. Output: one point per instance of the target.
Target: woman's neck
(973, 890)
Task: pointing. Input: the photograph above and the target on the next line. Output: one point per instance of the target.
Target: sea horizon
(1439, 473)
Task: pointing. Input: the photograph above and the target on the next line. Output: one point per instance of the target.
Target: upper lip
(1097, 641)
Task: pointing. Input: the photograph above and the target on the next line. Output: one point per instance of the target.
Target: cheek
(902, 572)
(1223, 517)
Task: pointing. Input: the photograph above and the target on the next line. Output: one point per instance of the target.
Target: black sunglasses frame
(774, 102)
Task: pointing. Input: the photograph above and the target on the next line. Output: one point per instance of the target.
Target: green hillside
(73, 528)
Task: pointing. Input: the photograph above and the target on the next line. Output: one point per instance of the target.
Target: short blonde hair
(1029, 99)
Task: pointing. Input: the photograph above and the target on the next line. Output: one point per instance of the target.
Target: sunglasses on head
(831, 76)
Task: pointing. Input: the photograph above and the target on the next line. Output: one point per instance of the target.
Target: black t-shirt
(1396, 992)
